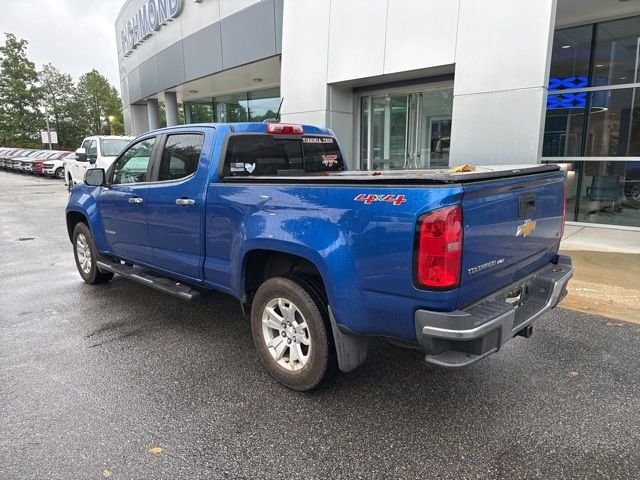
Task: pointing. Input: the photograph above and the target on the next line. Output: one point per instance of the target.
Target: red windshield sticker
(329, 160)
(369, 198)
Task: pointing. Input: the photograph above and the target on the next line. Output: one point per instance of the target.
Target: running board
(150, 279)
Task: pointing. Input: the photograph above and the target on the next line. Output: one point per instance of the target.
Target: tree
(58, 96)
(100, 107)
(20, 118)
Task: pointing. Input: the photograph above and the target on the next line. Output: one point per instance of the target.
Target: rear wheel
(69, 185)
(86, 255)
(292, 333)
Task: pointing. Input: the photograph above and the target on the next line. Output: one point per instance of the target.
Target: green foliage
(60, 103)
(20, 119)
(103, 108)
(91, 107)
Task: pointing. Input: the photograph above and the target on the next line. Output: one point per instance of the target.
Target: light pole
(111, 119)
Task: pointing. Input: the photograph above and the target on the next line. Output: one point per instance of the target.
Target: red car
(37, 163)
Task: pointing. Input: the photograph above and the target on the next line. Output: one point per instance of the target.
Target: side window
(132, 166)
(92, 151)
(180, 156)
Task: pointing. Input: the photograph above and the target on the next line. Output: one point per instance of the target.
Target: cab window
(180, 156)
(132, 166)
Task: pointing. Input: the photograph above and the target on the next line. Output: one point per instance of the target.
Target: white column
(139, 119)
(153, 113)
(171, 104)
(502, 67)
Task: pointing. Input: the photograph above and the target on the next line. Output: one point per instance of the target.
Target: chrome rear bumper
(462, 337)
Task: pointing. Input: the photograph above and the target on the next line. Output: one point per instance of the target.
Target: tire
(86, 254)
(69, 185)
(633, 196)
(305, 356)
(59, 174)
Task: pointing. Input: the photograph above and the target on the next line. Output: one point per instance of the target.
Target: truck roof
(247, 127)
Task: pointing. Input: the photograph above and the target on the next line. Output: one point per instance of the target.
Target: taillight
(284, 129)
(564, 209)
(438, 255)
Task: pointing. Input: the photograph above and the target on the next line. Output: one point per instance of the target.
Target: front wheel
(69, 185)
(86, 255)
(60, 173)
(292, 333)
(633, 196)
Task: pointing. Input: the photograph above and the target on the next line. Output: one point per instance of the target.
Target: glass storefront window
(589, 120)
(200, 112)
(613, 128)
(616, 52)
(255, 106)
(364, 133)
(232, 108)
(571, 53)
(606, 192)
(409, 130)
(263, 104)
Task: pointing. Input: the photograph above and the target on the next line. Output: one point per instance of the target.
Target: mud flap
(351, 350)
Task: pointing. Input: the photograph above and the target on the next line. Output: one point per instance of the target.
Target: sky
(76, 36)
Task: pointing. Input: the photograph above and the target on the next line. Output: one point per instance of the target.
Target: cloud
(74, 35)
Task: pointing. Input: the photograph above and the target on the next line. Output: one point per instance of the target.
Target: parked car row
(98, 151)
(43, 162)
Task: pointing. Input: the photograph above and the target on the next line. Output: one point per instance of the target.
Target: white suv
(96, 152)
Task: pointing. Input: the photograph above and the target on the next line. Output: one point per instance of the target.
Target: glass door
(408, 130)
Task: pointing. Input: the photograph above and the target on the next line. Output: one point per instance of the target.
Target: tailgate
(511, 227)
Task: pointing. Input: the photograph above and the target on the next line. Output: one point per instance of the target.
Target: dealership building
(408, 83)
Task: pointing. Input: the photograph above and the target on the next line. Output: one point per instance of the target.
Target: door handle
(185, 202)
(135, 200)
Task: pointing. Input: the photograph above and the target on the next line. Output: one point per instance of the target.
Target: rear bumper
(462, 337)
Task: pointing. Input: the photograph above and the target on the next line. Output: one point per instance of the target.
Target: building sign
(148, 19)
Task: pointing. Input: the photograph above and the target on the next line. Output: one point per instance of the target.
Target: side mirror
(81, 155)
(92, 160)
(95, 177)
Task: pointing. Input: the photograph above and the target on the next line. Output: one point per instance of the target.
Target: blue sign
(567, 100)
(568, 83)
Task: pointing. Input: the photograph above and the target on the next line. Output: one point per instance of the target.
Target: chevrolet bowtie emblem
(526, 228)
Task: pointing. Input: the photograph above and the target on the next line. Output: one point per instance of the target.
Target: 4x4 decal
(369, 198)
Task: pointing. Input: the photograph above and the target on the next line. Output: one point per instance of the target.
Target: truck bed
(399, 177)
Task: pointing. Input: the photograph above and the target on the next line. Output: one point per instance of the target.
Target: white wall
(500, 49)
(502, 68)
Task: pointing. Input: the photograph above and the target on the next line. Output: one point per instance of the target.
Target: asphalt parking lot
(124, 382)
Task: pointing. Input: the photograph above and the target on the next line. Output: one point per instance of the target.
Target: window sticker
(329, 160)
(317, 140)
(237, 167)
(250, 167)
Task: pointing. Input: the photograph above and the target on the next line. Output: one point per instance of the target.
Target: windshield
(111, 147)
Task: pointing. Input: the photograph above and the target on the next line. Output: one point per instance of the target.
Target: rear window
(268, 155)
(111, 147)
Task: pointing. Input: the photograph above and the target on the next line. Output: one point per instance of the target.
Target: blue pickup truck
(321, 258)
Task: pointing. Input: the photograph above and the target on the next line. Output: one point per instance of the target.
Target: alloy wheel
(286, 334)
(83, 252)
